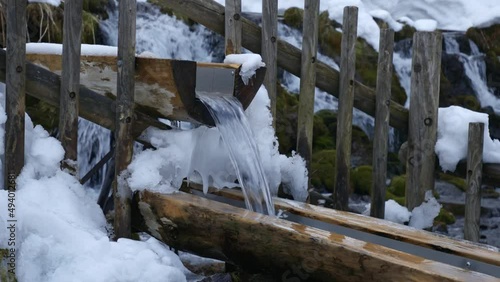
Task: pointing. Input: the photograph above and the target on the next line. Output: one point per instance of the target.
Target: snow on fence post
(233, 27)
(380, 140)
(474, 176)
(346, 100)
(15, 91)
(307, 81)
(124, 116)
(70, 84)
(423, 116)
(270, 50)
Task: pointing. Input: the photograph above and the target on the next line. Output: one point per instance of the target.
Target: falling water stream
(235, 131)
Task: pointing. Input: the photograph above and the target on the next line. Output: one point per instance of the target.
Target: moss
(390, 196)
(397, 186)
(459, 182)
(294, 17)
(286, 120)
(445, 217)
(406, 32)
(322, 169)
(362, 179)
(96, 7)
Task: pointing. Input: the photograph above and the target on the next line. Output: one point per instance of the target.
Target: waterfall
(475, 69)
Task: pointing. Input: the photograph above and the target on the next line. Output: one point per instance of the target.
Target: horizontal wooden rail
(286, 249)
(211, 14)
(378, 227)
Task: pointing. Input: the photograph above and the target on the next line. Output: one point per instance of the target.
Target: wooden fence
(421, 121)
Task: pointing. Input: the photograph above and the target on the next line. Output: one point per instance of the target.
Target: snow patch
(249, 64)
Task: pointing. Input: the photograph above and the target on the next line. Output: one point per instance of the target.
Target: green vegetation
(322, 169)
(445, 217)
(362, 179)
(459, 182)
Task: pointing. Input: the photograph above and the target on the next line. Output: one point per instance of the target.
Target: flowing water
(235, 131)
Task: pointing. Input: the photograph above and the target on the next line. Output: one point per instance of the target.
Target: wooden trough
(164, 88)
(290, 250)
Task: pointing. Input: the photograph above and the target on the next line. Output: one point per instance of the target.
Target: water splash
(239, 139)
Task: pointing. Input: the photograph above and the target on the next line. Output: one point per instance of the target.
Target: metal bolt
(273, 39)
(388, 102)
(72, 95)
(19, 69)
(128, 119)
(236, 17)
(428, 121)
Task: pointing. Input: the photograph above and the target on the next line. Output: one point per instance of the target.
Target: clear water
(234, 128)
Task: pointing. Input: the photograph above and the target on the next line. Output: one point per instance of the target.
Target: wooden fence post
(474, 176)
(422, 134)
(380, 139)
(233, 27)
(70, 84)
(15, 92)
(124, 116)
(346, 100)
(307, 80)
(270, 50)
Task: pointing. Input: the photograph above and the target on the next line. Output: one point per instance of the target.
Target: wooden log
(232, 27)
(344, 115)
(70, 84)
(381, 137)
(211, 14)
(46, 86)
(270, 50)
(307, 81)
(474, 175)
(124, 116)
(289, 250)
(384, 228)
(163, 89)
(424, 103)
(15, 92)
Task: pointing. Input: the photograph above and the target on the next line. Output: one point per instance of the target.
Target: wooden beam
(380, 227)
(289, 250)
(270, 50)
(46, 86)
(381, 135)
(474, 175)
(232, 27)
(211, 14)
(342, 171)
(424, 103)
(307, 81)
(124, 116)
(15, 92)
(70, 84)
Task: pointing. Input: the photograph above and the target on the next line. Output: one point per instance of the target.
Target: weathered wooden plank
(474, 175)
(124, 116)
(233, 27)
(256, 241)
(70, 83)
(381, 137)
(344, 115)
(307, 81)
(384, 228)
(424, 103)
(270, 50)
(211, 14)
(15, 92)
